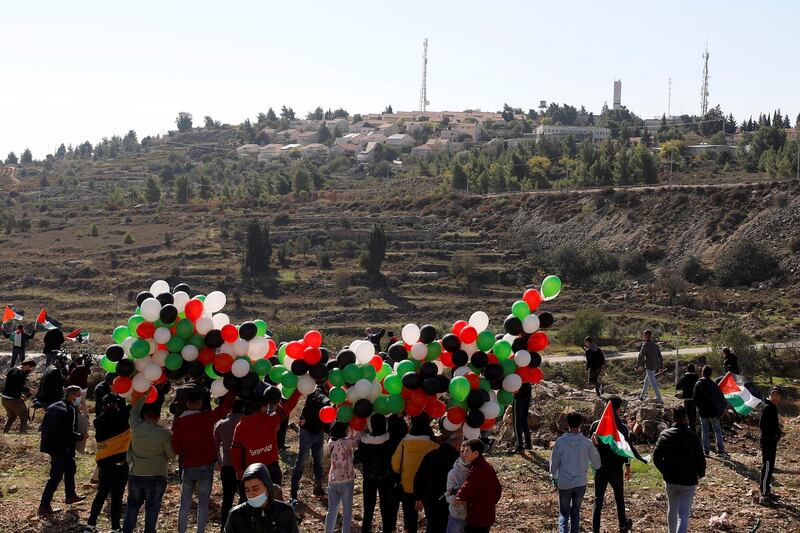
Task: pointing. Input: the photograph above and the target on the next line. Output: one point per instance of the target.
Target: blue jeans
(650, 379)
(705, 430)
(147, 490)
(62, 466)
(203, 478)
(569, 509)
(339, 493)
(455, 525)
(679, 503)
(308, 443)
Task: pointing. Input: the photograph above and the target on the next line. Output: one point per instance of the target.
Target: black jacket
(15, 384)
(731, 364)
(595, 358)
(770, 425)
(102, 390)
(678, 455)
(708, 398)
(59, 429)
(375, 339)
(277, 518)
(110, 424)
(51, 387)
(523, 394)
(53, 340)
(610, 461)
(430, 482)
(685, 385)
(397, 429)
(26, 337)
(310, 414)
(375, 460)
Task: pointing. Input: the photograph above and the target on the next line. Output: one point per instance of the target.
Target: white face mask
(258, 501)
(77, 401)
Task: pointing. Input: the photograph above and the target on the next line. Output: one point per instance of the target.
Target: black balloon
(362, 408)
(451, 342)
(182, 287)
(345, 358)
(460, 358)
(330, 365)
(194, 369)
(513, 325)
(475, 398)
(165, 298)
(427, 334)
(248, 331)
(428, 370)
(430, 386)
(250, 381)
(412, 381)
(326, 355)
(231, 382)
(495, 385)
(142, 296)
(536, 360)
(126, 368)
(178, 373)
(479, 359)
(546, 320)
(475, 418)
(214, 339)
(398, 352)
(272, 395)
(274, 361)
(319, 371)
(520, 343)
(299, 367)
(444, 383)
(493, 372)
(168, 314)
(115, 353)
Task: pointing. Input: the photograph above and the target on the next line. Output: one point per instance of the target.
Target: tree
(183, 191)
(211, 124)
(93, 230)
(27, 157)
(301, 181)
(388, 110)
(248, 133)
(184, 121)
(324, 134)
(152, 192)
(258, 249)
(130, 143)
(507, 113)
(11, 159)
(287, 113)
(460, 178)
(341, 113)
(129, 238)
(375, 253)
(341, 279)
(317, 114)
(644, 166)
(301, 245)
(61, 152)
(357, 118)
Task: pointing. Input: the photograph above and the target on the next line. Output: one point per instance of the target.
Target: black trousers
(275, 473)
(112, 480)
(691, 414)
(410, 514)
(436, 515)
(473, 529)
(602, 479)
(61, 467)
(371, 491)
(521, 429)
(282, 434)
(230, 488)
(594, 379)
(768, 454)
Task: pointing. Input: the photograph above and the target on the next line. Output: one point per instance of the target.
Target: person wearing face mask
(261, 513)
(59, 435)
(14, 391)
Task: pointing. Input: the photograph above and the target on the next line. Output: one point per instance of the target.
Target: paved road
(561, 358)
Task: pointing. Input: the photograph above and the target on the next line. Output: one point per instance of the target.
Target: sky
(81, 70)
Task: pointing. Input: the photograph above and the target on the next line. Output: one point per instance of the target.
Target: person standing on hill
(730, 363)
(406, 460)
(430, 483)
(312, 440)
(223, 438)
(51, 386)
(595, 362)
(19, 341)
(481, 489)
(14, 392)
(521, 405)
(651, 359)
(101, 392)
(341, 476)
(610, 473)
(710, 406)
(53, 340)
(771, 433)
(374, 454)
(685, 386)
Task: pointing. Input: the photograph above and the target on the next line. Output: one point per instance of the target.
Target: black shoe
(773, 497)
(628, 527)
(518, 449)
(528, 447)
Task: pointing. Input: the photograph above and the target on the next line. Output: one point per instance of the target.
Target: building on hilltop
(269, 151)
(401, 140)
(248, 150)
(362, 127)
(315, 151)
(592, 133)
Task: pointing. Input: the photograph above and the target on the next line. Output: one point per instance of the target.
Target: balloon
(223, 363)
(404, 367)
(107, 364)
(419, 351)
(490, 410)
(364, 350)
(458, 325)
(362, 408)
(336, 377)
(362, 388)
(471, 432)
(512, 383)
(261, 327)
(520, 309)
(173, 361)
(512, 325)
(397, 352)
(351, 373)
(451, 342)
(459, 388)
(214, 302)
(133, 322)
(449, 426)
(313, 338)
(159, 287)
(538, 342)
(179, 300)
(240, 368)
(475, 418)
(168, 313)
(410, 333)
(152, 372)
(152, 395)
(368, 372)
(229, 333)
(218, 388)
(145, 330)
(546, 320)
(551, 287)
(289, 380)
(240, 347)
(337, 395)
(427, 334)
(327, 414)
(381, 405)
(468, 335)
(151, 309)
(295, 349)
(393, 384)
(193, 309)
(121, 333)
(433, 352)
(115, 353)
(262, 367)
(175, 344)
(536, 375)
(140, 383)
(306, 385)
(479, 320)
(396, 403)
(139, 348)
(502, 349)
(121, 384)
(125, 368)
(196, 340)
(530, 324)
(485, 340)
(522, 358)
(162, 335)
(436, 408)
(220, 320)
(344, 413)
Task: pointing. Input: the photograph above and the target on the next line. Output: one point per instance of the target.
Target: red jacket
(193, 434)
(255, 439)
(481, 491)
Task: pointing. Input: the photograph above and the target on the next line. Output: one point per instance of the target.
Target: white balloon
(353, 344)
(240, 368)
(218, 389)
(352, 395)
(410, 333)
(530, 323)
(162, 335)
(127, 394)
(509, 338)
(461, 371)
(306, 385)
(150, 309)
(152, 372)
(449, 426)
(365, 351)
(419, 351)
(240, 347)
(141, 383)
(257, 348)
(160, 356)
(490, 410)
(220, 319)
(522, 358)
(126, 345)
(479, 320)
(153, 346)
(179, 300)
(203, 325)
(226, 347)
(471, 432)
(215, 301)
(512, 382)
(470, 348)
(439, 366)
(362, 388)
(287, 362)
(377, 390)
(190, 352)
(159, 287)
(141, 364)
(492, 396)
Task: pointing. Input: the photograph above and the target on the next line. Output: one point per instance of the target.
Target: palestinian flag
(737, 395)
(42, 324)
(9, 316)
(78, 336)
(608, 433)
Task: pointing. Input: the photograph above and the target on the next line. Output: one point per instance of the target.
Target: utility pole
(704, 90)
(677, 351)
(423, 93)
(669, 97)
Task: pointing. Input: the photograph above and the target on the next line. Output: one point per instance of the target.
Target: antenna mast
(669, 97)
(704, 91)
(423, 93)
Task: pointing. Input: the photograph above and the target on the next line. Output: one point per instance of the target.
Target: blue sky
(74, 71)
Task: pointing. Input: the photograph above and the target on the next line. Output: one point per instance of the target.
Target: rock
(12, 489)
(649, 412)
(534, 420)
(660, 497)
(651, 429)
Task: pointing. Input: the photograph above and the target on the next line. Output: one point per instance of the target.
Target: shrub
(323, 258)
(744, 263)
(587, 322)
(633, 263)
(341, 279)
(693, 271)
(129, 238)
(463, 266)
(607, 281)
(44, 223)
(753, 361)
(577, 264)
(281, 219)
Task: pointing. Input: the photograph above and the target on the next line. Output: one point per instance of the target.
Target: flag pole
(677, 351)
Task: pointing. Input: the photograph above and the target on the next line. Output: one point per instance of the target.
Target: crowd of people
(407, 464)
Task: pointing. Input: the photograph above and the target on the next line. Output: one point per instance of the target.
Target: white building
(315, 150)
(248, 150)
(579, 132)
(270, 151)
(401, 140)
(362, 127)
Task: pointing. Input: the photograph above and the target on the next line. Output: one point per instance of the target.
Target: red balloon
(272, 348)
(456, 415)
(358, 423)
(417, 397)
(488, 424)
(459, 325)
(145, 330)
(447, 359)
(536, 375)
(474, 379)
(327, 414)
(413, 409)
(161, 379)
(492, 358)
(436, 408)
(313, 338)
(533, 298)
(524, 372)
(222, 363)
(312, 355)
(121, 384)
(174, 328)
(468, 335)
(206, 355)
(152, 395)
(377, 363)
(295, 349)
(538, 341)
(161, 347)
(229, 333)
(193, 309)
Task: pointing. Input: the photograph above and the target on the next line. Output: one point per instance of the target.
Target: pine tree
(373, 256)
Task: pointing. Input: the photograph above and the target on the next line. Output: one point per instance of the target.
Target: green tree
(26, 157)
(324, 134)
(341, 113)
(460, 177)
(588, 322)
(317, 114)
(272, 118)
(184, 121)
(205, 192)
(301, 181)
(129, 238)
(130, 143)
(507, 113)
(183, 191)
(388, 110)
(258, 249)
(301, 245)
(287, 113)
(61, 152)
(375, 253)
(93, 230)
(644, 165)
(357, 118)
(152, 192)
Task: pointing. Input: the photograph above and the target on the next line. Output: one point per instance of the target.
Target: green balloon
(454, 403)
(368, 372)
(289, 380)
(434, 351)
(509, 367)
(337, 395)
(140, 348)
(197, 340)
(502, 349)
(121, 333)
(288, 391)
(504, 397)
(184, 328)
(520, 309)
(282, 352)
(344, 414)
(175, 344)
(173, 361)
(159, 324)
(485, 340)
(351, 373)
(485, 385)
(262, 367)
(108, 365)
(381, 405)
(210, 371)
(404, 367)
(133, 323)
(336, 377)
(551, 287)
(261, 327)
(386, 369)
(276, 373)
(393, 384)
(201, 297)
(459, 388)
(396, 404)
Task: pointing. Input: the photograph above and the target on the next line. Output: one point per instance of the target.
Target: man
(522, 432)
(651, 359)
(685, 386)
(610, 473)
(51, 386)
(679, 458)
(710, 406)
(19, 341)
(52, 340)
(595, 362)
(193, 441)
(261, 513)
(430, 483)
(481, 489)
(13, 395)
(59, 435)
(771, 433)
(569, 460)
(79, 376)
(730, 363)
(101, 391)
(149, 455)
(392, 340)
(312, 439)
(374, 338)
(255, 439)
(223, 438)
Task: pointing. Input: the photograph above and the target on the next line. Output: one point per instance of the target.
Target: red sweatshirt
(193, 434)
(481, 491)
(255, 439)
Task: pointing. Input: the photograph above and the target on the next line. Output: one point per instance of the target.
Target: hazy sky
(75, 71)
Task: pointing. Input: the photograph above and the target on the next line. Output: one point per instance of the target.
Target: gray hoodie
(650, 356)
(570, 458)
(455, 479)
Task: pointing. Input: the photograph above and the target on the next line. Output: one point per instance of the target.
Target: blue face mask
(258, 501)
(77, 401)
